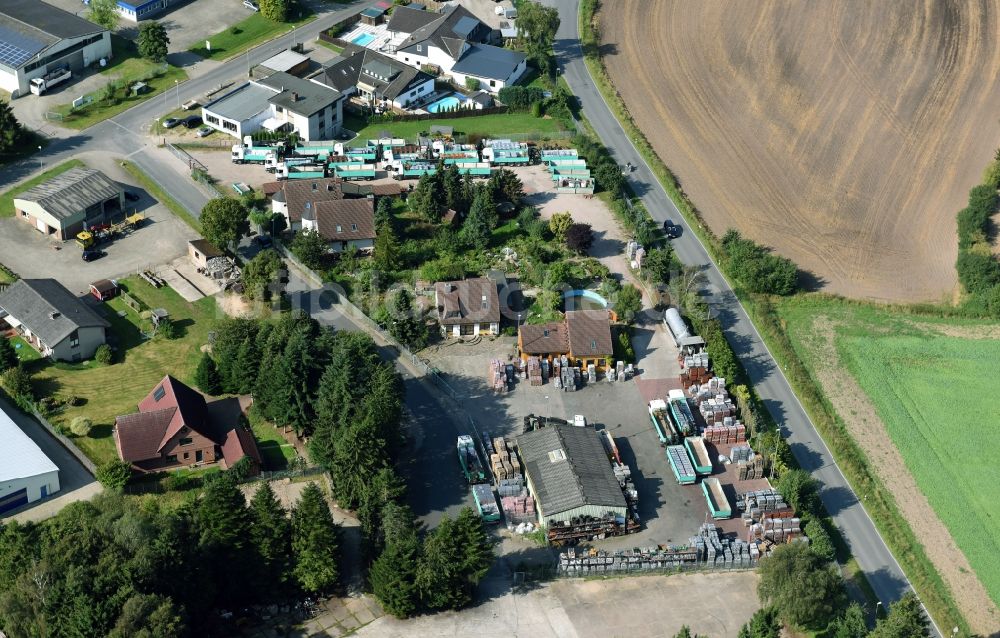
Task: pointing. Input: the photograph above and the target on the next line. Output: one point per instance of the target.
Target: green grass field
(7, 199)
(109, 391)
(501, 125)
(244, 35)
(933, 383)
(128, 71)
(274, 450)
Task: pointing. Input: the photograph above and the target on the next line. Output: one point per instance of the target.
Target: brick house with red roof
(176, 427)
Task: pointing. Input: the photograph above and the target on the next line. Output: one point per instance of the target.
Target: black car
(193, 121)
(264, 241)
(132, 196)
(671, 230)
(171, 122)
(91, 255)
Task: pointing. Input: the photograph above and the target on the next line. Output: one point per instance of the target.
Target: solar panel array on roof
(17, 48)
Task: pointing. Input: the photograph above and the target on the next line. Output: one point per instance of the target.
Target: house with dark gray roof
(377, 79)
(456, 42)
(37, 38)
(468, 307)
(568, 473)
(66, 204)
(278, 102)
(53, 320)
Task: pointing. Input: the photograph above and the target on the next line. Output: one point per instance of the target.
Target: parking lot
(161, 238)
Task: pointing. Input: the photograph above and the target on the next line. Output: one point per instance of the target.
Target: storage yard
(844, 135)
(659, 465)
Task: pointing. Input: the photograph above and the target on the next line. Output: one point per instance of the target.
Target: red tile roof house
(175, 427)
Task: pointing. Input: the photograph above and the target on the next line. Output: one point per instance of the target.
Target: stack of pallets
(751, 470)
(715, 409)
(730, 431)
(498, 380)
(534, 371)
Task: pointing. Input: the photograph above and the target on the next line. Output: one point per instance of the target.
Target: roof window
(159, 393)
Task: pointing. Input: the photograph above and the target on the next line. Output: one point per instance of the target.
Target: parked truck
(49, 80)
(476, 169)
(681, 464)
(247, 153)
(675, 324)
(681, 412)
(486, 503)
(699, 455)
(718, 502)
(301, 171)
(472, 465)
(414, 170)
(355, 171)
(665, 429)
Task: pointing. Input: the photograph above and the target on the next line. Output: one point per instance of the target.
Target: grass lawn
(25, 352)
(933, 386)
(128, 71)
(117, 389)
(162, 196)
(244, 35)
(274, 450)
(7, 199)
(497, 126)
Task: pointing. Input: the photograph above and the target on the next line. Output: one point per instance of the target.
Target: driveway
(162, 238)
(75, 482)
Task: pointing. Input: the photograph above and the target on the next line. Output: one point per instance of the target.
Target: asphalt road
(873, 556)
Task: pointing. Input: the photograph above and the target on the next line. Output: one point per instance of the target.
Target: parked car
(193, 121)
(91, 255)
(132, 196)
(171, 122)
(250, 5)
(204, 131)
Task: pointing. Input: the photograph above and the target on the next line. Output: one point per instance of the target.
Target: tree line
(124, 567)
(335, 389)
(978, 269)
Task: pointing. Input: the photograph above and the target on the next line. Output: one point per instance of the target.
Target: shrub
(74, 401)
(167, 329)
(472, 84)
(104, 354)
(114, 475)
(16, 382)
(80, 426)
(819, 539)
(756, 267)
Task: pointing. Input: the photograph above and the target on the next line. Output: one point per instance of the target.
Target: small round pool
(583, 300)
(447, 102)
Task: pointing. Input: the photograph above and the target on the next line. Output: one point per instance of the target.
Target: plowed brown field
(845, 134)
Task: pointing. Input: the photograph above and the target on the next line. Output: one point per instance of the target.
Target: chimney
(53, 315)
(295, 96)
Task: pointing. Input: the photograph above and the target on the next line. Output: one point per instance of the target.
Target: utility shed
(569, 474)
(26, 474)
(66, 204)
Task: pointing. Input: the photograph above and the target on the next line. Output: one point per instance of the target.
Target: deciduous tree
(153, 41)
(851, 624)
(906, 619)
(104, 13)
(536, 29)
(260, 275)
(628, 303)
(804, 590)
(276, 10)
(579, 237)
(311, 249)
(223, 220)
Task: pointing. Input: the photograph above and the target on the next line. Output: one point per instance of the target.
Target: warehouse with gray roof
(37, 38)
(26, 474)
(568, 473)
(62, 206)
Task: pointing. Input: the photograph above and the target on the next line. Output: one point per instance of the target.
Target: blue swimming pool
(447, 102)
(363, 40)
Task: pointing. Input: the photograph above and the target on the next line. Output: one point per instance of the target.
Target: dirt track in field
(845, 134)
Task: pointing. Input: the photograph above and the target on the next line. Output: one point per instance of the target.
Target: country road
(126, 135)
(880, 567)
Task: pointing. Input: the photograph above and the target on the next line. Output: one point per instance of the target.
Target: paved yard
(712, 604)
(161, 238)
